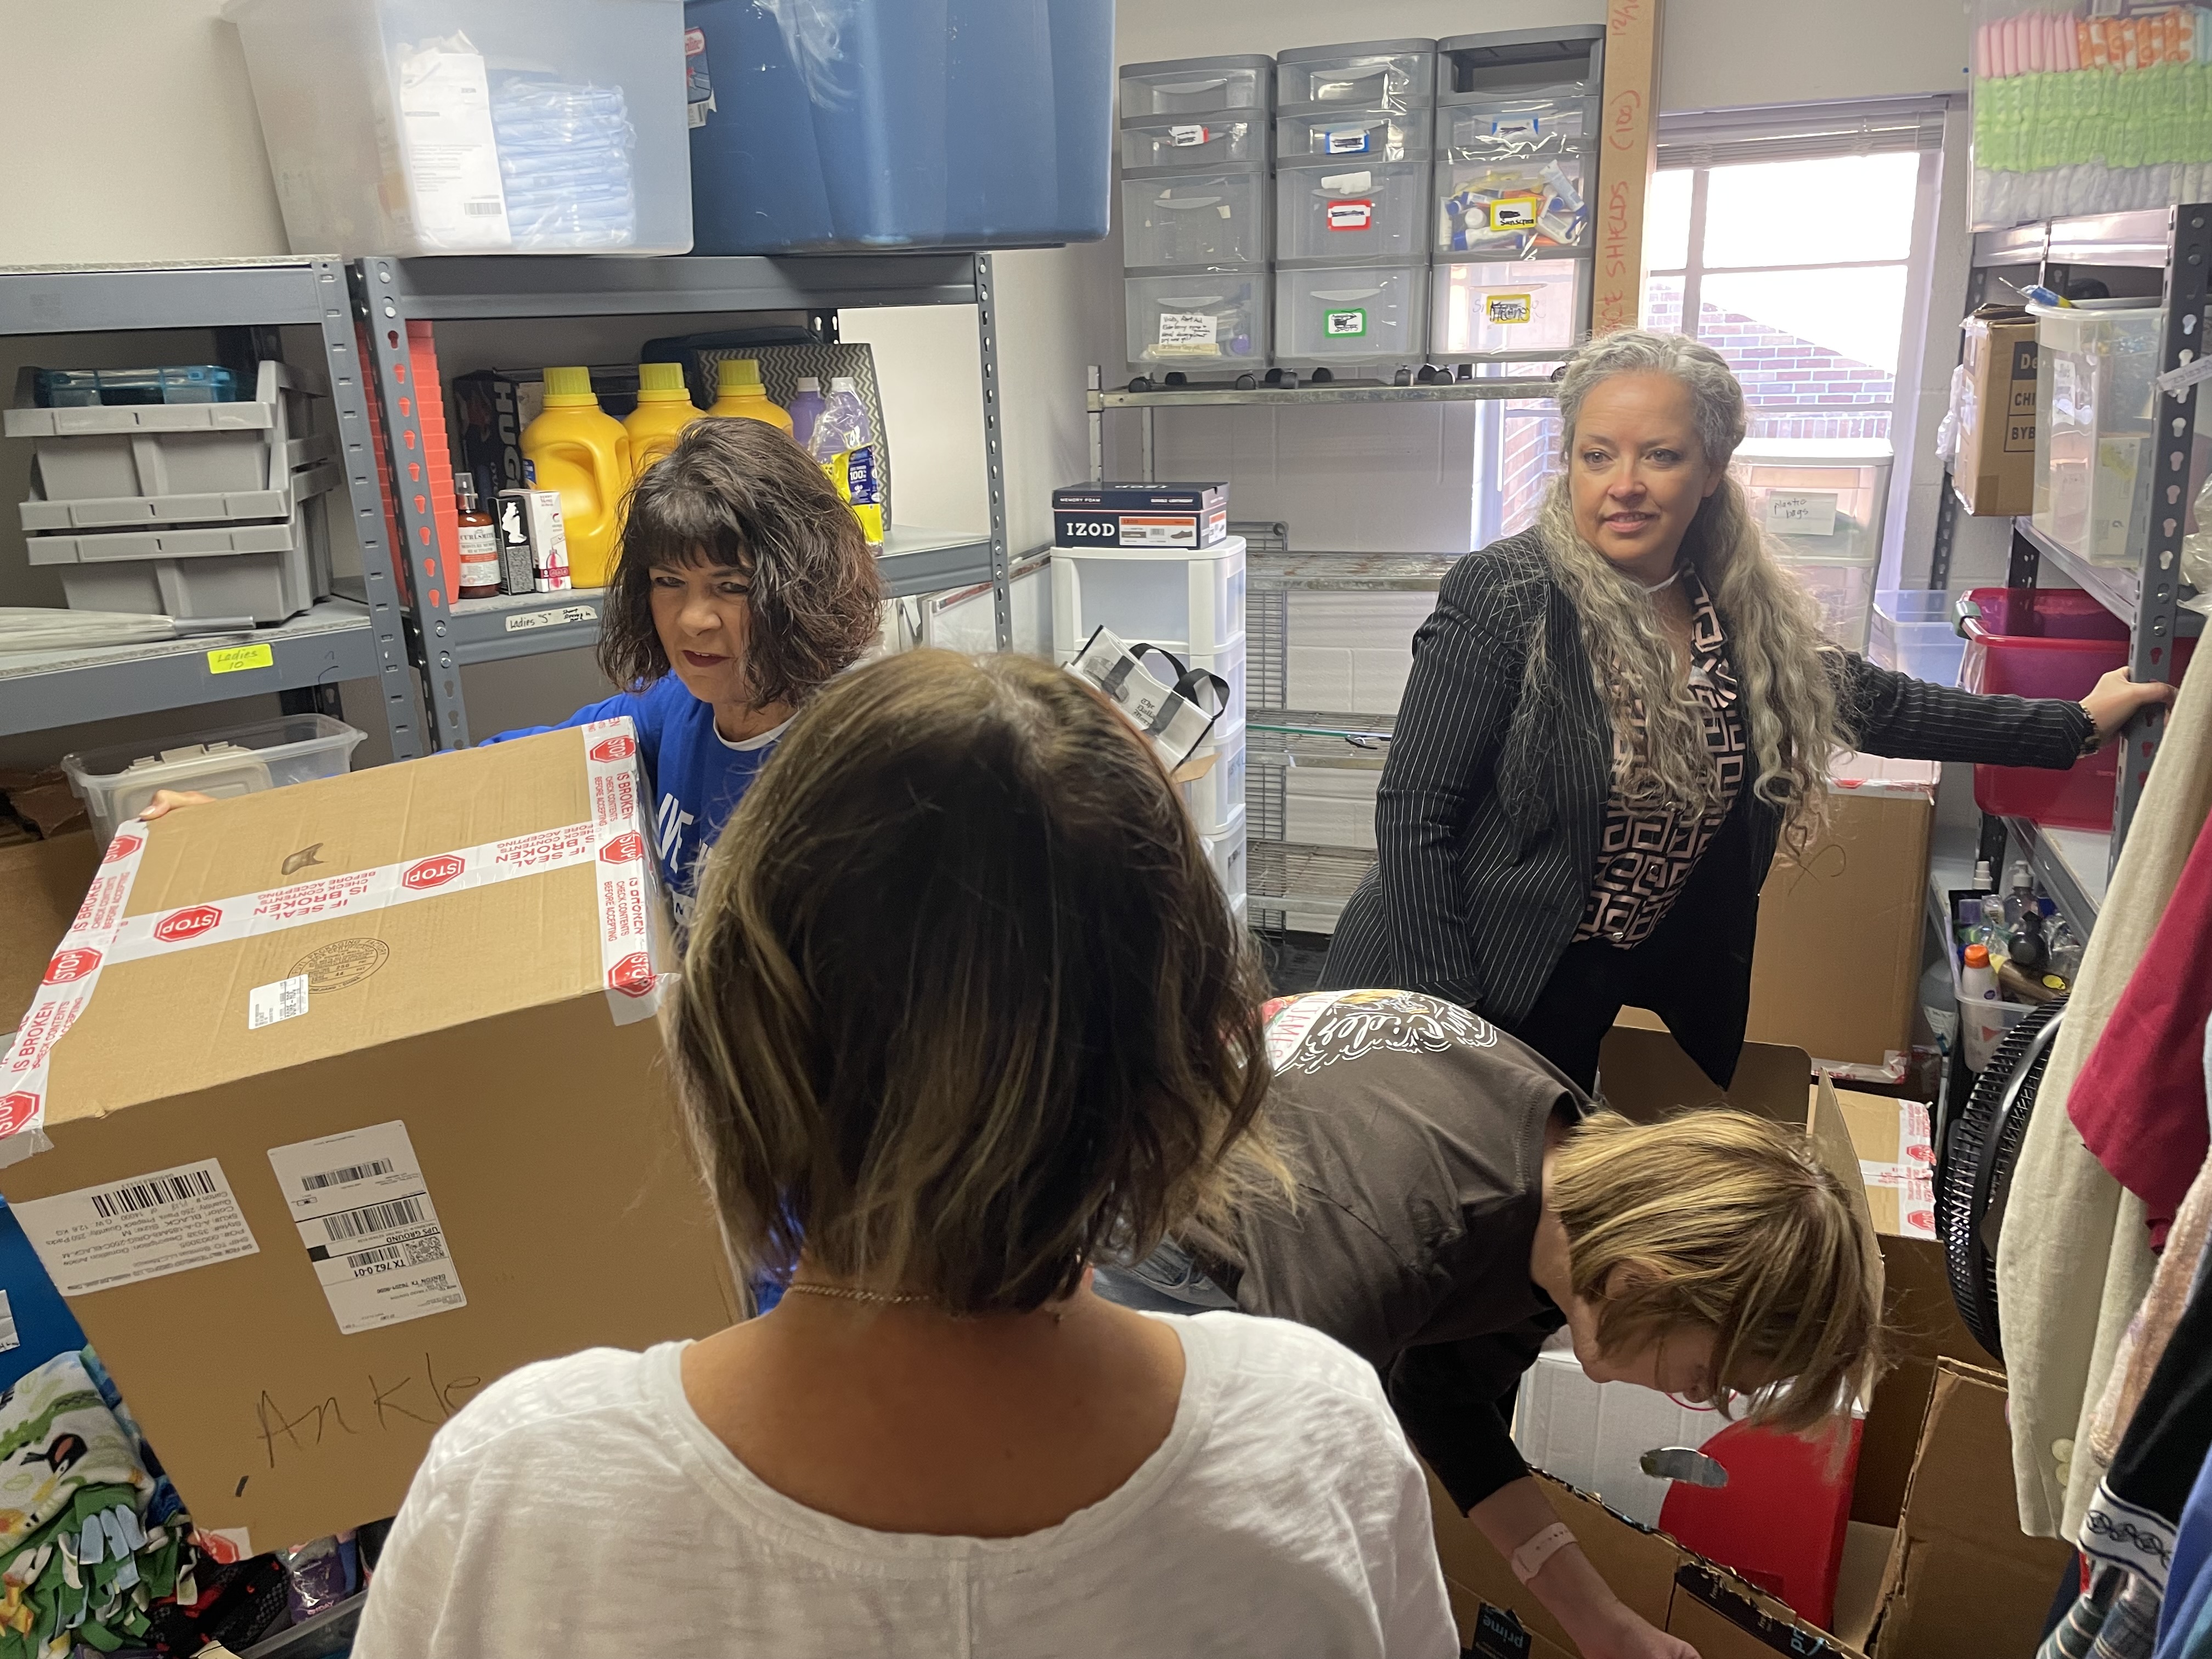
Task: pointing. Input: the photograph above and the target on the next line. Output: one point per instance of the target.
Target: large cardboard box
(41, 885)
(1995, 470)
(347, 1101)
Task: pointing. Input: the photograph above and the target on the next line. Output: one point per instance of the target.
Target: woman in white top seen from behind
(962, 1010)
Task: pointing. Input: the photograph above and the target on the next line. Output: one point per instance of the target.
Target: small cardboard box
(343, 1099)
(1995, 470)
(41, 885)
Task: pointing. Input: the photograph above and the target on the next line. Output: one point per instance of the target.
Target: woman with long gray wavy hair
(1613, 720)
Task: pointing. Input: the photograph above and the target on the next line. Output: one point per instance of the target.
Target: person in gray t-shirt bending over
(1459, 1200)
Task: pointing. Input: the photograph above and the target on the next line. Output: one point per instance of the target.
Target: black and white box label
(166, 1222)
(364, 1212)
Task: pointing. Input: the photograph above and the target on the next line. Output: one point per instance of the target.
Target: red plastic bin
(2047, 642)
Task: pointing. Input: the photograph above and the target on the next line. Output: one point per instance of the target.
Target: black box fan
(1973, 1175)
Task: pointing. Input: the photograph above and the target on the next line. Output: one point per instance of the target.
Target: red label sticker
(70, 966)
(1921, 1154)
(432, 873)
(1923, 1220)
(17, 1110)
(623, 847)
(121, 847)
(1352, 216)
(632, 976)
(188, 923)
(614, 749)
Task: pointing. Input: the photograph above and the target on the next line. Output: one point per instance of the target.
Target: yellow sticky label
(236, 659)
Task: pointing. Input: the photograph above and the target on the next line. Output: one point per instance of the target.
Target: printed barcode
(385, 1255)
(372, 1219)
(351, 1172)
(483, 207)
(138, 1195)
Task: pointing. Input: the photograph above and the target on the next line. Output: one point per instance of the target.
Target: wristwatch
(2094, 739)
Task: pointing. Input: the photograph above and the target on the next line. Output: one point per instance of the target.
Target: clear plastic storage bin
(1215, 799)
(1195, 219)
(1510, 191)
(1199, 319)
(1360, 74)
(1221, 141)
(1913, 633)
(1181, 599)
(1521, 307)
(1349, 314)
(1225, 853)
(1198, 86)
(1823, 502)
(116, 782)
(2096, 362)
(1356, 135)
(1369, 210)
(473, 126)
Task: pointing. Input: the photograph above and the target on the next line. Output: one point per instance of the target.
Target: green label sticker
(1343, 324)
(237, 658)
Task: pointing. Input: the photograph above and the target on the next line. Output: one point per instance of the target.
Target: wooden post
(1626, 158)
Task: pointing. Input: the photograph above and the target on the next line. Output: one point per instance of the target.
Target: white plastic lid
(842, 383)
(808, 383)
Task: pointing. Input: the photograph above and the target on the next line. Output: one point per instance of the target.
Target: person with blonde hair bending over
(1460, 1201)
(962, 1010)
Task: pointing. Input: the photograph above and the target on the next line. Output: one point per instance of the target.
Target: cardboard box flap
(329, 917)
(1643, 1073)
(1721, 1616)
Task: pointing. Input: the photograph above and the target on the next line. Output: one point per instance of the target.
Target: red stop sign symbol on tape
(623, 847)
(432, 873)
(120, 848)
(614, 749)
(17, 1110)
(633, 976)
(69, 966)
(1923, 1220)
(187, 923)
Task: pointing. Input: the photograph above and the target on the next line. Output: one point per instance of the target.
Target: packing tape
(614, 843)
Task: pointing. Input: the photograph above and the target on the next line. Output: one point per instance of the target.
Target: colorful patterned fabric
(1647, 849)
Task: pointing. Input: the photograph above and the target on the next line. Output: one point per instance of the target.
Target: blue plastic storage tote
(850, 125)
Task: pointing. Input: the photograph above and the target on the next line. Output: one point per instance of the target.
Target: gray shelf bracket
(995, 460)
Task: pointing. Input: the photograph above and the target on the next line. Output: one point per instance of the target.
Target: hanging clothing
(2068, 1284)
(2139, 1101)
(2184, 1618)
(2149, 1331)
(2117, 1618)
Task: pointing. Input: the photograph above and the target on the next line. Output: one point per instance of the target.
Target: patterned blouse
(1648, 850)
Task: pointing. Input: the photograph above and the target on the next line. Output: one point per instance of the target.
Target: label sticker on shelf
(1347, 141)
(364, 1212)
(146, 1227)
(562, 617)
(1348, 324)
(1801, 512)
(1357, 215)
(1515, 212)
(281, 999)
(237, 658)
(1188, 328)
(1508, 308)
(1184, 137)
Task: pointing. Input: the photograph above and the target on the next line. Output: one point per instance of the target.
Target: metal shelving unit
(389, 293)
(2074, 865)
(338, 639)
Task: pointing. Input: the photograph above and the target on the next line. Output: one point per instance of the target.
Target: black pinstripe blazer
(1481, 882)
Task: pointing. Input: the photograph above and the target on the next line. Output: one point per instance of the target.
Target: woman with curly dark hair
(742, 586)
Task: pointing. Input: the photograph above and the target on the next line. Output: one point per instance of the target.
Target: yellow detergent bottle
(664, 409)
(582, 451)
(739, 393)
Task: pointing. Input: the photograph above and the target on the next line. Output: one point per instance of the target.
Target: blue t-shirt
(697, 775)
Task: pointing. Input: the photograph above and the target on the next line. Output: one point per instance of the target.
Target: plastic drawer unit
(1822, 501)
(1181, 599)
(1198, 86)
(1218, 141)
(1215, 799)
(1506, 308)
(1351, 211)
(474, 126)
(1349, 314)
(1198, 318)
(1381, 135)
(116, 782)
(1224, 851)
(2095, 366)
(1512, 182)
(1371, 75)
(2047, 642)
(1175, 218)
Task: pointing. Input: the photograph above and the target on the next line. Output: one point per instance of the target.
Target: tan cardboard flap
(41, 885)
(1643, 1074)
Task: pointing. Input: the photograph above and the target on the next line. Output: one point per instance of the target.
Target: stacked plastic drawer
(1354, 131)
(1517, 163)
(1823, 501)
(193, 504)
(1196, 233)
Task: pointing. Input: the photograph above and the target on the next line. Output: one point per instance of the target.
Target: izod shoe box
(1140, 515)
(340, 1101)
(1995, 471)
